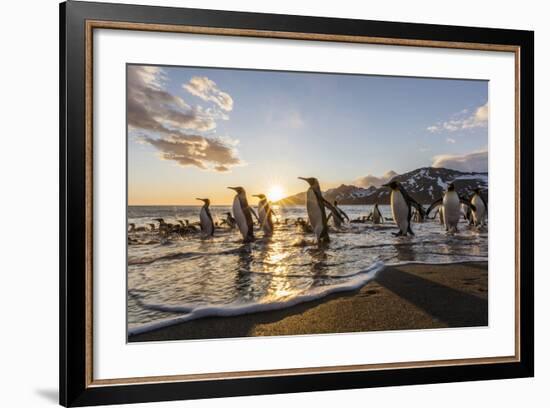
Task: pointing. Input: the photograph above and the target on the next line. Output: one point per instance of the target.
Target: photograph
(282, 203)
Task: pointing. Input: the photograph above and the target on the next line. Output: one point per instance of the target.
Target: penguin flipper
(410, 231)
(437, 202)
(332, 209)
(467, 203)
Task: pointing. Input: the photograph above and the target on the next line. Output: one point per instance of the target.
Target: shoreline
(401, 297)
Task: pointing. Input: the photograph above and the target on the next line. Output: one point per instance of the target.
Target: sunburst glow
(275, 193)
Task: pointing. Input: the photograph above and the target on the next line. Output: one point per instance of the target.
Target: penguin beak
(256, 195)
(305, 179)
(232, 188)
(200, 199)
(385, 185)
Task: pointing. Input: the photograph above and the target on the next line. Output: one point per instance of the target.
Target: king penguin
(450, 204)
(401, 203)
(207, 224)
(265, 214)
(376, 215)
(315, 205)
(480, 205)
(243, 214)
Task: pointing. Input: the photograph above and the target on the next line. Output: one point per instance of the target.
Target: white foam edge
(249, 308)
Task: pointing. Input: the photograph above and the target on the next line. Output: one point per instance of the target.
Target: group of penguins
(450, 207)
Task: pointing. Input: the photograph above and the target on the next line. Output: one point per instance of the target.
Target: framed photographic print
(255, 203)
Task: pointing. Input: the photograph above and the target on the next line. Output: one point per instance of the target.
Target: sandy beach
(416, 296)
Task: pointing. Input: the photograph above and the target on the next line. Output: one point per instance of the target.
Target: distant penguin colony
(449, 209)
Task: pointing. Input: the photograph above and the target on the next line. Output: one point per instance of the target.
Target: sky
(194, 131)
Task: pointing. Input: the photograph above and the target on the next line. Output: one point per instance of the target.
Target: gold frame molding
(116, 25)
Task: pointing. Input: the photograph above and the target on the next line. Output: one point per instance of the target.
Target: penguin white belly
(479, 213)
(240, 218)
(207, 226)
(400, 211)
(314, 213)
(451, 209)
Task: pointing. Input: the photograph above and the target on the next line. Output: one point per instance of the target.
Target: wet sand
(400, 298)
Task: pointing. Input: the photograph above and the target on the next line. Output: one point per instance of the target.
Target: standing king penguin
(480, 205)
(401, 203)
(265, 214)
(207, 224)
(376, 216)
(315, 204)
(243, 214)
(450, 204)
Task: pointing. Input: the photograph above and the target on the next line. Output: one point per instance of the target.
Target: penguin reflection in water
(315, 205)
(450, 205)
(265, 214)
(207, 224)
(243, 214)
(401, 204)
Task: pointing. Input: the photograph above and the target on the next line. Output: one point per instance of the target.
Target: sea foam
(358, 280)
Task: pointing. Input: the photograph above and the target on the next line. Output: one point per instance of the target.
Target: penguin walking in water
(229, 220)
(376, 215)
(480, 212)
(207, 224)
(401, 203)
(265, 214)
(450, 205)
(243, 214)
(315, 204)
(338, 216)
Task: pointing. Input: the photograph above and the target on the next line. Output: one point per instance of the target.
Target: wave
(358, 280)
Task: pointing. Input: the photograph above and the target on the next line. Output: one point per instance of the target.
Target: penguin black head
(161, 220)
(312, 181)
(335, 203)
(206, 201)
(451, 187)
(238, 190)
(394, 185)
(477, 190)
(228, 214)
(260, 196)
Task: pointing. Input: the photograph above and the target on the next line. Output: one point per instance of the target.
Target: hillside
(424, 184)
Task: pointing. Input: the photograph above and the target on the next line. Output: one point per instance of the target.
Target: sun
(275, 193)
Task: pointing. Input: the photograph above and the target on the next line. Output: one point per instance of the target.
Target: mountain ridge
(424, 184)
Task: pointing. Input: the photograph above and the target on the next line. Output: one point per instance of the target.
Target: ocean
(180, 278)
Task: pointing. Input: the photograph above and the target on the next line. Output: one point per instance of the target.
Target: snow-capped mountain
(425, 185)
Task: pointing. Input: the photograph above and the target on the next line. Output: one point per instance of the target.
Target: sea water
(180, 278)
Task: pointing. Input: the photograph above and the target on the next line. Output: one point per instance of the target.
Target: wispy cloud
(463, 121)
(207, 90)
(472, 162)
(451, 140)
(172, 126)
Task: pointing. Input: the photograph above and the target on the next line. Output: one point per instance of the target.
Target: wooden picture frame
(78, 20)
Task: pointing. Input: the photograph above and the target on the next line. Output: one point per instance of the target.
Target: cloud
(195, 150)
(371, 180)
(172, 126)
(470, 162)
(477, 119)
(150, 107)
(207, 90)
(451, 140)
